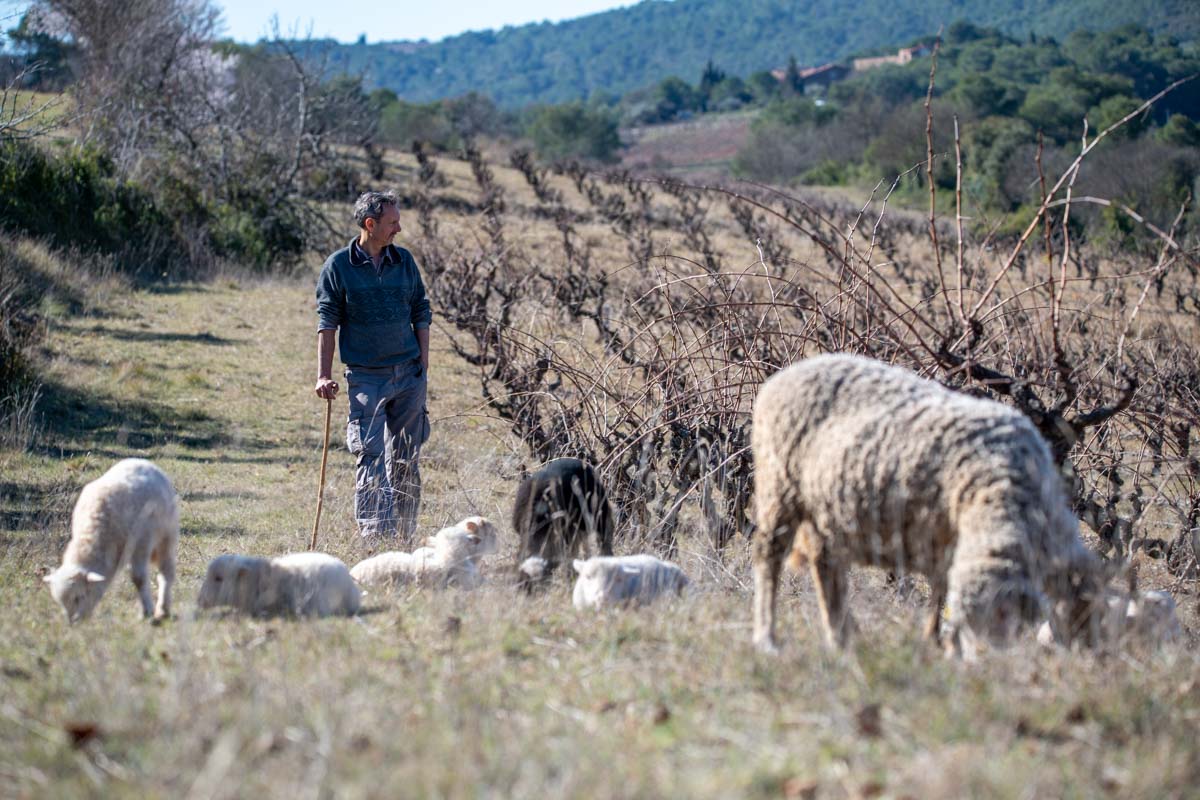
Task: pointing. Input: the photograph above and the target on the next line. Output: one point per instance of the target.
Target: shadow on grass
(232, 494)
(155, 336)
(75, 421)
(158, 287)
(198, 526)
(35, 507)
(148, 335)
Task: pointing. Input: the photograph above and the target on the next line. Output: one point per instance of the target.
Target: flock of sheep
(856, 463)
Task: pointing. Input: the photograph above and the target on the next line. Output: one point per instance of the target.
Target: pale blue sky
(250, 20)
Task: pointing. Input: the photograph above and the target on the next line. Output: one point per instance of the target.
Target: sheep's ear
(431, 541)
(48, 578)
(95, 577)
(472, 526)
(578, 565)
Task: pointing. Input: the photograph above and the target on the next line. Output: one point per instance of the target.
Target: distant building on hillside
(903, 56)
(817, 79)
(814, 77)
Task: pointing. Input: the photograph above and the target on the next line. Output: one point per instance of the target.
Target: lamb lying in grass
(858, 462)
(625, 580)
(299, 584)
(1146, 620)
(129, 515)
(449, 559)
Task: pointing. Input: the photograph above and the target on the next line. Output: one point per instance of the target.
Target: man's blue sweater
(376, 311)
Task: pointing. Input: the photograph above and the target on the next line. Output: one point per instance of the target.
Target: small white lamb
(1147, 619)
(480, 527)
(625, 580)
(450, 559)
(532, 571)
(129, 515)
(300, 584)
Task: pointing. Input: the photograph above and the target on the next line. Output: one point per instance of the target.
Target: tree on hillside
(792, 83)
(47, 59)
(574, 131)
(708, 81)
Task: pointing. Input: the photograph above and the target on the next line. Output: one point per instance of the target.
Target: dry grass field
(490, 693)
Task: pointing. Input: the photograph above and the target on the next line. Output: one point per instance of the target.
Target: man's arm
(422, 335)
(326, 387)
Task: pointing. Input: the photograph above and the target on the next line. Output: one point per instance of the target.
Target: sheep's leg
(830, 578)
(165, 558)
(139, 570)
(771, 544)
(605, 529)
(937, 599)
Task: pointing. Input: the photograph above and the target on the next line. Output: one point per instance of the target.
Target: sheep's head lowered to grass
(77, 590)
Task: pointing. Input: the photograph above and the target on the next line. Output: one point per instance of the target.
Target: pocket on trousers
(426, 428)
(354, 434)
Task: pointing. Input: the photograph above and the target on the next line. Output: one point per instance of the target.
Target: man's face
(384, 229)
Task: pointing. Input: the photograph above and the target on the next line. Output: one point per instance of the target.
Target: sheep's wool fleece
(889, 468)
(132, 501)
(304, 584)
(615, 580)
(390, 567)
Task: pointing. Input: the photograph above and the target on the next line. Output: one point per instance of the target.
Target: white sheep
(485, 542)
(449, 559)
(298, 584)
(532, 571)
(858, 462)
(129, 515)
(1145, 619)
(625, 580)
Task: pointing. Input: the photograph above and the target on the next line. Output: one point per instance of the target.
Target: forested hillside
(626, 48)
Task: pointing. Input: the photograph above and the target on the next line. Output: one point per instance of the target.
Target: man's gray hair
(369, 205)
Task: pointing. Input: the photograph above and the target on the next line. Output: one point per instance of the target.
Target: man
(372, 294)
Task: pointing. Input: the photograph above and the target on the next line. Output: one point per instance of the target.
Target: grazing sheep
(129, 515)
(556, 509)
(298, 584)
(1147, 620)
(858, 462)
(625, 580)
(449, 560)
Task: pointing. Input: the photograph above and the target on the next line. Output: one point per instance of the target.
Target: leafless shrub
(25, 116)
(250, 137)
(20, 426)
(659, 398)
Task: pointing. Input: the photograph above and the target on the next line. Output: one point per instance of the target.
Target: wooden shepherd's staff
(321, 486)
